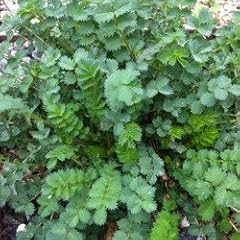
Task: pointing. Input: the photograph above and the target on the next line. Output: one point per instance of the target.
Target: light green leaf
(207, 210)
(208, 99)
(50, 56)
(215, 175)
(123, 88)
(235, 90)
(66, 63)
(77, 11)
(132, 133)
(220, 94)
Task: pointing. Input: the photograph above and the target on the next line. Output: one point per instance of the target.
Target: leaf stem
(123, 37)
(235, 210)
(233, 225)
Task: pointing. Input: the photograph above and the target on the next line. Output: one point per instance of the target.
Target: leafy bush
(118, 109)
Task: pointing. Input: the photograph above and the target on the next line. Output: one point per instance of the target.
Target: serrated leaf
(66, 63)
(80, 54)
(113, 43)
(200, 50)
(4, 195)
(103, 14)
(196, 107)
(61, 232)
(50, 56)
(208, 99)
(61, 153)
(100, 216)
(126, 155)
(159, 86)
(150, 164)
(123, 88)
(203, 22)
(223, 81)
(70, 78)
(215, 175)
(77, 12)
(235, 90)
(132, 133)
(207, 210)
(220, 93)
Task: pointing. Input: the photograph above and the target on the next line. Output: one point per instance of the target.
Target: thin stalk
(124, 39)
(233, 225)
(235, 209)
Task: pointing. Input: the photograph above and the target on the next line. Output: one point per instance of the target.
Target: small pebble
(22, 228)
(185, 223)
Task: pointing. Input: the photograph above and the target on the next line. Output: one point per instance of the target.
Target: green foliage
(97, 126)
(104, 194)
(211, 178)
(203, 129)
(151, 165)
(91, 85)
(65, 121)
(60, 153)
(126, 155)
(123, 89)
(63, 184)
(134, 226)
(9, 103)
(165, 226)
(131, 133)
(207, 210)
(203, 22)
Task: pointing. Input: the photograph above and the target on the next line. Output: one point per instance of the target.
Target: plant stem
(124, 39)
(235, 210)
(233, 225)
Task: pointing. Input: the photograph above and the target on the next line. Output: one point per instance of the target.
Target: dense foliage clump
(121, 118)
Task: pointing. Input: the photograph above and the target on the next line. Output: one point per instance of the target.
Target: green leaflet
(60, 231)
(150, 164)
(123, 89)
(133, 227)
(127, 155)
(203, 22)
(77, 11)
(90, 82)
(60, 153)
(205, 177)
(66, 63)
(76, 211)
(207, 210)
(5, 194)
(159, 86)
(131, 133)
(50, 56)
(65, 121)
(134, 195)
(8, 103)
(165, 227)
(105, 194)
(63, 184)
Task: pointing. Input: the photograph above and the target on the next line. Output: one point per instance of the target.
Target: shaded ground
(9, 221)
